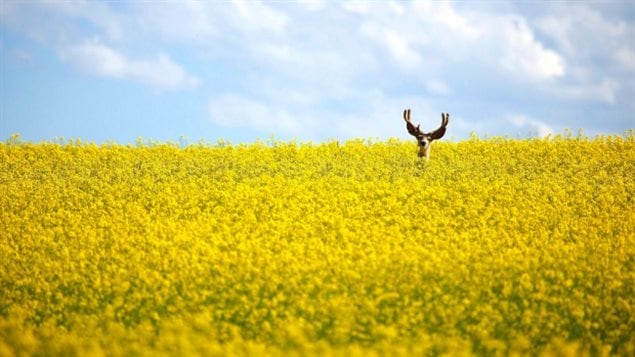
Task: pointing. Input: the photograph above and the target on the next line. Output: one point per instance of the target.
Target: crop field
(493, 246)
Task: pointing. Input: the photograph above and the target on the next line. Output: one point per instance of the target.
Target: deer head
(424, 140)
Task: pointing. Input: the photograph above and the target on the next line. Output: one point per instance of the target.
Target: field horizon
(495, 245)
(183, 141)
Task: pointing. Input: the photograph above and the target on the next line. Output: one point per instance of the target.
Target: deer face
(424, 140)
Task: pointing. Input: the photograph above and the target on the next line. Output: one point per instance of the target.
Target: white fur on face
(424, 141)
(424, 146)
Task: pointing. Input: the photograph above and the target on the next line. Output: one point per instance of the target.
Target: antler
(425, 139)
(412, 129)
(438, 134)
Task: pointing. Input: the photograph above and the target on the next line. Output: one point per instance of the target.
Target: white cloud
(213, 26)
(535, 126)
(603, 91)
(396, 44)
(20, 57)
(378, 115)
(437, 87)
(96, 58)
(312, 5)
(597, 47)
(581, 31)
(525, 54)
(346, 68)
(396, 7)
(625, 58)
(50, 22)
(185, 21)
(374, 115)
(230, 110)
(256, 16)
(159, 72)
(98, 13)
(465, 127)
(356, 6)
(444, 16)
(433, 35)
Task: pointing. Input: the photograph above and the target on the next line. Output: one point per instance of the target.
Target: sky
(313, 70)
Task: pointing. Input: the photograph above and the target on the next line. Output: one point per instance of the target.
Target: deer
(424, 140)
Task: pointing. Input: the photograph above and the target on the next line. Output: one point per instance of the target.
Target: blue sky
(313, 70)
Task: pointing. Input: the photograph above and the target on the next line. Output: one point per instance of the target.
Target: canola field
(494, 246)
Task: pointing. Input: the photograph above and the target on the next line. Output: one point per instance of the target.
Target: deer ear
(411, 128)
(438, 134)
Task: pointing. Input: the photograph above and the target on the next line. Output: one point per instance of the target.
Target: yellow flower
(495, 246)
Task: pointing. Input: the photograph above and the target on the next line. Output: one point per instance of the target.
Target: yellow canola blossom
(494, 246)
